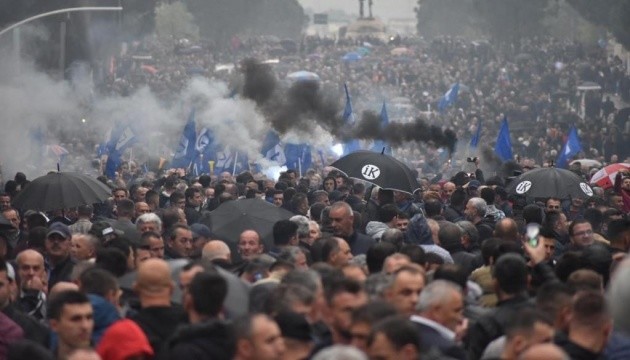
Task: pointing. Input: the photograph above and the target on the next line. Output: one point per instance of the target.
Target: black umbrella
(61, 190)
(379, 169)
(231, 218)
(550, 182)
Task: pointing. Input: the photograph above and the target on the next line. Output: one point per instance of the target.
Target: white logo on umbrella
(587, 189)
(523, 187)
(370, 172)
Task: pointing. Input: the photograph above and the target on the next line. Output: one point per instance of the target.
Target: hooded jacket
(375, 229)
(212, 339)
(105, 314)
(419, 233)
(124, 339)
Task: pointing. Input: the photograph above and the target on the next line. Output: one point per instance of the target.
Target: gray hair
(290, 254)
(340, 352)
(469, 229)
(149, 218)
(303, 230)
(480, 205)
(437, 292)
(376, 284)
(394, 236)
(307, 278)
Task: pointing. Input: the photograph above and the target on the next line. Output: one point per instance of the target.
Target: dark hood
(418, 231)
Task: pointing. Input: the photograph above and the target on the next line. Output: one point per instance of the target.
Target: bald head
(30, 268)
(544, 351)
(506, 229)
(61, 287)
(154, 281)
(29, 255)
(216, 249)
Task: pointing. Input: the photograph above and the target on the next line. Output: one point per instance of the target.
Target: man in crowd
(179, 244)
(71, 318)
(58, 243)
(342, 218)
(249, 245)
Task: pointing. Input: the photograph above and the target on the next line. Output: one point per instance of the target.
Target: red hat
(122, 340)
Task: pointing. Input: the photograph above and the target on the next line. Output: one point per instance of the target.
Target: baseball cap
(473, 184)
(60, 229)
(201, 230)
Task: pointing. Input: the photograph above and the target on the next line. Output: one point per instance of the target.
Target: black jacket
(159, 323)
(430, 339)
(359, 243)
(33, 329)
(575, 351)
(212, 339)
(61, 272)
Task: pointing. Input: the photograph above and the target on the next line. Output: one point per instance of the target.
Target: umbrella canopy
(231, 218)
(589, 85)
(605, 178)
(587, 163)
(303, 76)
(61, 190)
(550, 182)
(400, 51)
(236, 302)
(351, 57)
(379, 169)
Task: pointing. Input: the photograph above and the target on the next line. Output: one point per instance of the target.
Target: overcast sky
(383, 9)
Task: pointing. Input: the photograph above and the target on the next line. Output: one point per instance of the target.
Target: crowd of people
(450, 272)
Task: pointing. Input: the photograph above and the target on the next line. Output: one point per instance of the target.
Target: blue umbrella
(303, 76)
(351, 57)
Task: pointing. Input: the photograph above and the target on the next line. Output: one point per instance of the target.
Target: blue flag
(503, 147)
(186, 151)
(449, 98)
(571, 148)
(272, 150)
(348, 119)
(205, 151)
(379, 145)
(474, 142)
(298, 156)
(120, 139)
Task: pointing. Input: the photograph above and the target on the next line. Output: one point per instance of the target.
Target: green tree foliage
(614, 15)
(219, 20)
(174, 21)
(509, 21)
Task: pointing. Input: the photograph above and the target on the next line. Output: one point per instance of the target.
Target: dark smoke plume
(260, 81)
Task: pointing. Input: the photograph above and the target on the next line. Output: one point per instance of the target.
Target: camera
(471, 160)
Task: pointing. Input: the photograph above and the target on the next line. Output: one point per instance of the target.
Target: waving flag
(449, 98)
(379, 145)
(120, 139)
(186, 151)
(348, 118)
(205, 151)
(503, 147)
(474, 142)
(298, 156)
(571, 148)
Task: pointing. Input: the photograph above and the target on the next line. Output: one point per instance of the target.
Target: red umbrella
(605, 178)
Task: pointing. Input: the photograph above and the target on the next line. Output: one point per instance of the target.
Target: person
(419, 233)
(452, 240)
(58, 253)
(141, 208)
(407, 284)
(217, 251)
(192, 209)
(581, 234)
(475, 212)
(5, 200)
(258, 337)
(528, 328)
(125, 213)
(249, 245)
(296, 333)
(387, 218)
(179, 244)
(13, 236)
(590, 327)
(153, 241)
(342, 218)
(284, 235)
(149, 222)
(207, 336)
(278, 198)
(70, 316)
(553, 204)
(492, 213)
(511, 278)
(84, 246)
(363, 320)
(544, 351)
(201, 236)
(84, 223)
(103, 291)
(124, 340)
(157, 317)
(32, 284)
(394, 338)
(439, 313)
(334, 251)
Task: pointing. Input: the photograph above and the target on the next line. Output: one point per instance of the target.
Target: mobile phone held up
(532, 232)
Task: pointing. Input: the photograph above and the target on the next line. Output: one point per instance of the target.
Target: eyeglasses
(583, 233)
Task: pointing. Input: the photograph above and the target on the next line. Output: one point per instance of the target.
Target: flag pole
(300, 166)
(235, 161)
